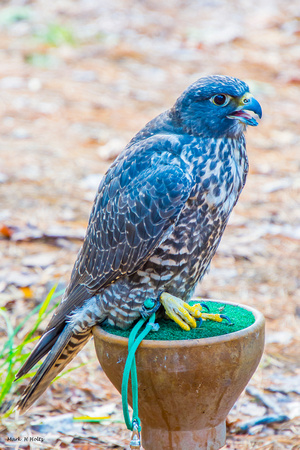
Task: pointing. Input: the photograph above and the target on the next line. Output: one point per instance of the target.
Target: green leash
(134, 341)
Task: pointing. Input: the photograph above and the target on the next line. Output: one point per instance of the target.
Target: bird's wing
(135, 209)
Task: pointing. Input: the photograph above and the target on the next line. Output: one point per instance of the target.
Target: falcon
(157, 219)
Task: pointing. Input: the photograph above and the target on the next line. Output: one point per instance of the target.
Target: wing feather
(137, 205)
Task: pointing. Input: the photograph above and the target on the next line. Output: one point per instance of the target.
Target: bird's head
(216, 106)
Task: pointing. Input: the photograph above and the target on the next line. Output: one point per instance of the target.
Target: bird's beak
(246, 103)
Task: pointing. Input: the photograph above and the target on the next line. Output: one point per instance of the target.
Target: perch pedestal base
(207, 438)
(186, 387)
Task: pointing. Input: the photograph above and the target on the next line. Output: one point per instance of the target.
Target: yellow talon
(195, 309)
(214, 317)
(184, 314)
(181, 312)
(180, 322)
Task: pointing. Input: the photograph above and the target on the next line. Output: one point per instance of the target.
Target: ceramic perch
(186, 387)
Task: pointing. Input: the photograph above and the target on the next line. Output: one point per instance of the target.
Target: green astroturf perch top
(169, 331)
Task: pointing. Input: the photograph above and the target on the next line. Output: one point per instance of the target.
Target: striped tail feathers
(43, 346)
(64, 350)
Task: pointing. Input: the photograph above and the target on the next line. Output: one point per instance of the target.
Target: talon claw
(226, 318)
(204, 305)
(199, 322)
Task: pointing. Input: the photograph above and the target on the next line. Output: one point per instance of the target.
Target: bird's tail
(64, 350)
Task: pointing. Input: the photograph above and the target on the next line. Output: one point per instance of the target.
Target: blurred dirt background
(77, 80)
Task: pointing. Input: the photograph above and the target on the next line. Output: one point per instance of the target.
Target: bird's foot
(181, 312)
(185, 315)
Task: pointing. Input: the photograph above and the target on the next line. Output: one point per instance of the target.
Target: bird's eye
(220, 99)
